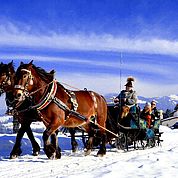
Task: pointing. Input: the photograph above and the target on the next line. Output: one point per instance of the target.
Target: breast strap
(48, 97)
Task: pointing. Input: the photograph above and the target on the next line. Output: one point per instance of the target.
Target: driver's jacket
(128, 98)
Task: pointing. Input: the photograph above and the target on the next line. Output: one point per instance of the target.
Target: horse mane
(12, 67)
(46, 76)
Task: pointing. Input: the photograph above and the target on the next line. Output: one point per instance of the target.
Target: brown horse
(7, 74)
(56, 106)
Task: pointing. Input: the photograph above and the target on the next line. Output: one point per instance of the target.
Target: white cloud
(12, 35)
(105, 84)
(149, 89)
(112, 83)
(131, 65)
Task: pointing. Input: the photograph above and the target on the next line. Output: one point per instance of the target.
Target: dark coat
(127, 97)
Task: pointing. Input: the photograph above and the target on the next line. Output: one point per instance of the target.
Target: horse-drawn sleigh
(56, 106)
(135, 134)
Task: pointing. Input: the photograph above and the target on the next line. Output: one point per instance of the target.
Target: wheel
(143, 144)
(151, 142)
(121, 142)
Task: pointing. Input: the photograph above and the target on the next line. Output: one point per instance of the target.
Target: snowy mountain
(163, 103)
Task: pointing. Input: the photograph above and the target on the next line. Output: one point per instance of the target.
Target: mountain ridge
(164, 102)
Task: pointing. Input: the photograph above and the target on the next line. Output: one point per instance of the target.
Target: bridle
(5, 82)
(45, 100)
(29, 81)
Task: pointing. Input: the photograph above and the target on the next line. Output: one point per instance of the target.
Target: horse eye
(24, 76)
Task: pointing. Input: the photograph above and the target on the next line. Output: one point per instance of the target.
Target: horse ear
(21, 63)
(31, 62)
(52, 72)
(11, 63)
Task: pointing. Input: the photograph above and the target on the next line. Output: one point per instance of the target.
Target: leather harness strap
(48, 98)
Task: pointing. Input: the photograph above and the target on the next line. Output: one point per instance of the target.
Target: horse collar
(48, 97)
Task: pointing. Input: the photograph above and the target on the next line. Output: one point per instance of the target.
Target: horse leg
(89, 144)
(54, 141)
(50, 148)
(16, 124)
(35, 145)
(73, 141)
(102, 150)
(16, 151)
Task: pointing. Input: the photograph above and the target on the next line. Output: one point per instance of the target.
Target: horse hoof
(74, 150)
(58, 156)
(88, 152)
(13, 156)
(74, 146)
(100, 155)
(36, 153)
(53, 156)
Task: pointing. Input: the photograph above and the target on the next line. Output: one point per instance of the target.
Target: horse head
(7, 74)
(30, 78)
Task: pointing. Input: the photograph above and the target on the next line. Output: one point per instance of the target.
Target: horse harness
(6, 81)
(49, 97)
(9, 95)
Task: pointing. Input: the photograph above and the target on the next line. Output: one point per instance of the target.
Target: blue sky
(96, 43)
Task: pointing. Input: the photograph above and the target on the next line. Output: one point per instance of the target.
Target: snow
(173, 97)
(160, 161)
(141, 101)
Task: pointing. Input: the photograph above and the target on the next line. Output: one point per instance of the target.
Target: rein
(32, 93)
(70, 86)
(104, 128)
(48, 98)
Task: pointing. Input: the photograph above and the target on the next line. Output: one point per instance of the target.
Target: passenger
(154, 112)
(155, 115)
(128, 96)
(146, 114)
(175, 111)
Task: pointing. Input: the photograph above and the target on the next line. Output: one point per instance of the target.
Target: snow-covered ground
(155, 162)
